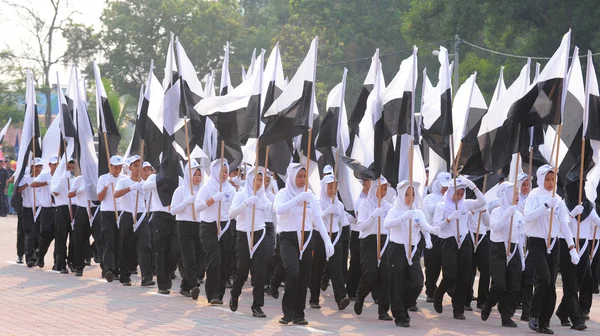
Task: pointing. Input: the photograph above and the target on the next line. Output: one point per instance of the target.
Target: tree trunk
(48, 115)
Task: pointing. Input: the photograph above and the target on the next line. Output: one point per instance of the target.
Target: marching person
(47, 215)
(354, 271)
(214, 196)
(432, 258)
(272, 255)
(373, 262)
(108, 211)
(30, 204)
(64, 217)
(505, 269)
(405, 273)
(573, 276)
(452, 216)
(544, 255)
(188, 232)
(524, 296)
(165, 235)
(249, 207)
(590, 281)
(296, 253)
(133, 226)
(479, 224)
(334, 218)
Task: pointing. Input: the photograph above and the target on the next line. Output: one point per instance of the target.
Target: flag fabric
(468, 109)
(273, 80)
(51, 143)
(225, 84)
(437, 111)
(569, 143)
(498, 137)
(500, 86)
(171, 72)
(68, 130)
(31, 131)
(358, 112)
(152, 111)
(107, 126)
(543, 101)
(333, 134)
(4, 130)
(292, 112)
(591, 130)
(135, 143)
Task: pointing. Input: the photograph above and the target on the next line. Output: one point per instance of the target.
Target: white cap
(37, 162)
(146, 164)
(71, 160)
(444, 179)
(116, 160)
(53, 159)
(132, 159)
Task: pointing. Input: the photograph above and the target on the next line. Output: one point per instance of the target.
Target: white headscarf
(249, 187)
(401, 189)
(187, 178)
(372, 199)
(325, 200)
(290, 181)
(505, 194)
(215, 174)
(540, 191)
(448, 201)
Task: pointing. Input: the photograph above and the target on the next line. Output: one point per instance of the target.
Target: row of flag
(267, 120)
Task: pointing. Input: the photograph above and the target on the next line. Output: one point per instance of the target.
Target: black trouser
(256, 265)
(3, 203)
(506, 279)
(47, 232)
(81, 234)
(154, 254)
(374, 274)
(71, 237)
(526, 289)
(63, 226)
(572, 280)
(334, 264)
(111, 239)
(217, 253)
(481, 262)
(297, 273)
(432, 259)
(354, 271)
(345, 251)
(188, 233)
(97, 234)
(278, 271)
(167, 243)
(456, 267)
(135, 243)
(586, 291)
(269, 242)
(405, 281)
(230, 267)
(29, 234)
(20, 234)
(544, 267)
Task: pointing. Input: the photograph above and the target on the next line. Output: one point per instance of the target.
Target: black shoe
(565, 323)
(586, 316)
(275, 293)
(185, 293)
(195, 293)
(314, 305)
(468, 308)
(524, 317)
(79, 273)
(581, 326)
(164, 291)
(324, 286)
(285, 320)
(385, 317)
(126, 283)
(480, 306)
(358, 306)
(96, 260)
(485, 312)
(429, 299)
(534, 324)
(509, 323)
(40, 263)
(88, 262)
(437, 305)
(19, 259)
(109, 276)
(376, 300)
(343, 303)
(72, 268)
(173, 276)
(352, 298)
(30, 263)
(228, 284)
(257, 312)
(545, 330)
(233, 304)
(216, 302)
(459, 316)
(64, 271)
(403, 324)
(413, 308)
(148, 282)
(300, 321)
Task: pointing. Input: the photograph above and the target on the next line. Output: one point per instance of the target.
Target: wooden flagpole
(581, 193)
(335, 190)
(410, 180)
(112, 183)
(510, 227)
(455, 172)
(378, 220)
(220, 187)
(187, 148)
(33, 170)
(254, 190)
(137, 195)
(555, 183)
(68, 182)
(310, 130)
(480, 213)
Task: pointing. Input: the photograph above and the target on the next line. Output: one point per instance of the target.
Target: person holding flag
(29, 208)
(457, 248)
(405, 273)
(47, 215)
(64, 219)
(249, 207)
(373, 257)
(188, 232)
(298, 213)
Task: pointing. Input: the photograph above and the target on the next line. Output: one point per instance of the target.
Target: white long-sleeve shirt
(361, 198)
(290, 220)
(449, 229)
(62, 198)
(501, 226)
(45, 198)
(586, 229)
(431, 202)
(339, 219)
(107, 203)
(149, 188)
(244, 216)
(27, 193)
(181, 212)
(399, 228)
(366, 225)
(127, 201)
(537, 221)
(77, 186)
(210, 214)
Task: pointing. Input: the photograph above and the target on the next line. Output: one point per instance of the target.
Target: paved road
(41, 302)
